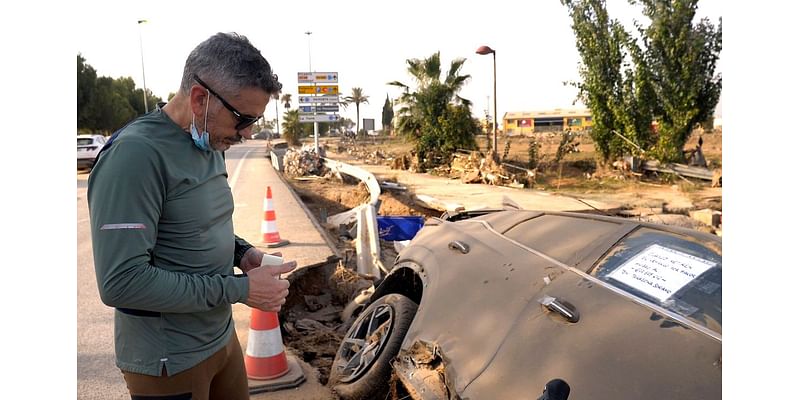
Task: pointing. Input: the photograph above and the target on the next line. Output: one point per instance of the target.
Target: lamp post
(313, 103)
(484, 50)
(141, 51)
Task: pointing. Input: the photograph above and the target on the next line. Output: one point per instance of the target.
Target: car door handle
(563, 308)
(460, 246)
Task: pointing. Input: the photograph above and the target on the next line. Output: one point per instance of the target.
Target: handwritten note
(659, 271)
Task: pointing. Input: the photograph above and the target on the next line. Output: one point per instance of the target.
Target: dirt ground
(312, 319)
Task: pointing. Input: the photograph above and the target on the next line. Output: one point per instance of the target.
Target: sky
(366, 43)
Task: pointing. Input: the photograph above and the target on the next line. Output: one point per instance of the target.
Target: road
(97, 376)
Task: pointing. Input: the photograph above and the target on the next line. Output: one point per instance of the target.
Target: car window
(675, 272)
(85, 142)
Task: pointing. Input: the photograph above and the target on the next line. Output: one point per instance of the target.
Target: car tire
(362, 370)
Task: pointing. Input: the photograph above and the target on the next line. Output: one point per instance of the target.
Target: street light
(484, 50)
(141, 51)
(313, 103)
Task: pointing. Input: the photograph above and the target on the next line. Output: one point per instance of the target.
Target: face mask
(201, 140)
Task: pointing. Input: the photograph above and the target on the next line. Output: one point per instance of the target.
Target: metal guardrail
(368, 248)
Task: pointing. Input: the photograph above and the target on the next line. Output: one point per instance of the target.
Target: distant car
(263, 135)
(88, 147)
(499, 304)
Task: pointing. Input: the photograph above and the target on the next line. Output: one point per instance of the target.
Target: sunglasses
(244, 119)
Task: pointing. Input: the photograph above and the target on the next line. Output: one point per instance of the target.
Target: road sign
(318, 118)
(317, 77)
(311, 109)
(319, 99)
(321, 89)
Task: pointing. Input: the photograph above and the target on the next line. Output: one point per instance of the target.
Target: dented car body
(511, 300)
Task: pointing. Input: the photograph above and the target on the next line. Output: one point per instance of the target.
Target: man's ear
(198, 96)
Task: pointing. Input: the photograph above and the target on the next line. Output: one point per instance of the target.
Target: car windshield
(85, 142)
(672, 271)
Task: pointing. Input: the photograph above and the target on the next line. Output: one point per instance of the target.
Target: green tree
(434, 116)
(86, 92)
(292, 128)
(671, 80)
(681, 58)
(601, 43)
(388, 114)
(357, 97)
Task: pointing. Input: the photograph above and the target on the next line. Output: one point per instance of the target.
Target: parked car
(501, 304)
(88, 148)
(263, 135)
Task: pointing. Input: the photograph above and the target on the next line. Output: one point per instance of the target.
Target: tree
(627, 87)
(286, 99)
(86, 92)
(434, 117)
(388, 114)
(357, 97)
(292, 128)
(106, 104)
(601, 44)
(681, 58)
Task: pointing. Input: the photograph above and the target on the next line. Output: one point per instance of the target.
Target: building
(528, 122)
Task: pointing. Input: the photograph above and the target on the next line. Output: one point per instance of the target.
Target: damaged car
(519, 304)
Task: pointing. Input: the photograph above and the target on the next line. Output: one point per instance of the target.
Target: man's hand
(267, 290)
(252, 259)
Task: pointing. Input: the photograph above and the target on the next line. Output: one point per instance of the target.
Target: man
(162, 230)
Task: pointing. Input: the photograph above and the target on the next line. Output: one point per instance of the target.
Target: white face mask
(201, 140)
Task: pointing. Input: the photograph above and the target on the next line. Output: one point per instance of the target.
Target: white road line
(235, 177)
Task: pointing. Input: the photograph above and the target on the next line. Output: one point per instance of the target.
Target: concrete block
(707, 216)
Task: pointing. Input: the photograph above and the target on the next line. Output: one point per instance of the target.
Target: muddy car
(516, 304)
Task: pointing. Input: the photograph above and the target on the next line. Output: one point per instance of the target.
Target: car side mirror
(556, 389)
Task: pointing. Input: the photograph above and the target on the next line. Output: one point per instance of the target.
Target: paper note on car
(659, 271)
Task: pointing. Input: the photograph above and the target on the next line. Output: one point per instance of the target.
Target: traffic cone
(269, 228)
(268, 368)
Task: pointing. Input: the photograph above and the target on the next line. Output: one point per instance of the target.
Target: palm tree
(286, 99)
(432, 96)
(435, 116)
(291, 127)
(276, 96)
(357, 97)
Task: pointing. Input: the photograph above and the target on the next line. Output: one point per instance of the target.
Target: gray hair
(229, 62)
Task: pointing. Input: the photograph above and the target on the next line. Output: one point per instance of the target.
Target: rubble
(303, 162)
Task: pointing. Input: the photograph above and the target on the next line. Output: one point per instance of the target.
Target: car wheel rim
(364, 343)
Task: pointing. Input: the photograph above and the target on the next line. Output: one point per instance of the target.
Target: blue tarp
(399, 227)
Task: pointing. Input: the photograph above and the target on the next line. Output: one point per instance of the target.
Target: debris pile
(303, 162)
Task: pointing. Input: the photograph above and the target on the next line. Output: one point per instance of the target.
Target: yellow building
(528, 122)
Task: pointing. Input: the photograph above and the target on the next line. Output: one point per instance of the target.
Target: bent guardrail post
(368, 249)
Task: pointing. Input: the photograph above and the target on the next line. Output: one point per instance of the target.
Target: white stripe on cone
(268, 227)
(261, 344)
(268, 204)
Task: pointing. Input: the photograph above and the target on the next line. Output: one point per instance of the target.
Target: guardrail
(368, 247)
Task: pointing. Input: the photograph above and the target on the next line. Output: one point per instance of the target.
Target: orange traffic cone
(266, 363)
(265, 358)
(269, 228)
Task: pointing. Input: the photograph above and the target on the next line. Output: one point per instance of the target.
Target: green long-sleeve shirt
(162, 234)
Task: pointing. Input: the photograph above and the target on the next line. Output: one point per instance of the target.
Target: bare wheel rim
(364, 343)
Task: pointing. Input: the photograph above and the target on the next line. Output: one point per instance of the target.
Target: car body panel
(481, 319)
(618, 350)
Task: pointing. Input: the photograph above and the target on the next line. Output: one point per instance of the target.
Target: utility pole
(141, 51)
(314, 103)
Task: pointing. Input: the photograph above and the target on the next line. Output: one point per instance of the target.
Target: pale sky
(366, 42)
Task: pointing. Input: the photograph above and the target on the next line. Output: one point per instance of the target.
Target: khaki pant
(222, 376)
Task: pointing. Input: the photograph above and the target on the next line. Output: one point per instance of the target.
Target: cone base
(292, 379)
(281, 243)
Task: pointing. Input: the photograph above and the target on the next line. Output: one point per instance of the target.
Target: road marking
(235, 177)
